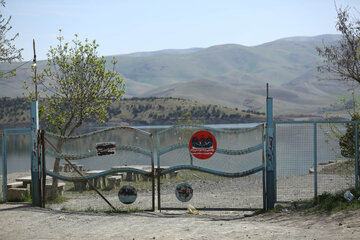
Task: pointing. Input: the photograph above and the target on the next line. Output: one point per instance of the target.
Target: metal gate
(211, 168)
(8, 133)
(106, 170)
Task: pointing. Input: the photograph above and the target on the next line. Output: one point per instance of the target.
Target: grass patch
(27, 199)
(57, 200)
(332, 203)
(125, 210)
(346, 167)
(117, 210)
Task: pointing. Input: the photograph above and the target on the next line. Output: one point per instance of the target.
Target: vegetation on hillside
(141, 111)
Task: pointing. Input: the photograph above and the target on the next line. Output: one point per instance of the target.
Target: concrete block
(16, 194)
(14, 185)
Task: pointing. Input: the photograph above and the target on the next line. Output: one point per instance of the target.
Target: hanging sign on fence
(127, 194)
(202, 145)
(105, 148)
(183, 192)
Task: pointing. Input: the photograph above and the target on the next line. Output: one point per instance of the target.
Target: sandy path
(21, 221)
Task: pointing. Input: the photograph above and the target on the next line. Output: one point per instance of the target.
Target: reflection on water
(294, 148)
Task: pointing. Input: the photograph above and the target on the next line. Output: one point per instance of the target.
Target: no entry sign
(202, 145)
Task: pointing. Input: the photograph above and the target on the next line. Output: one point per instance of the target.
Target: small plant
(65, 208)
(331, 203)
(57, 200)
(26, 198)
(125, 210)
(90, 209)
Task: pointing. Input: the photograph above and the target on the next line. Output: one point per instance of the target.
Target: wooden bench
(60, 188)
(96, 181)
(80, 186)
(24, 180)
(16, 194)
(15, 185)
(114, 181)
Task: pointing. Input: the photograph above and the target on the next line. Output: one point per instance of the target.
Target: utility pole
(35, 68)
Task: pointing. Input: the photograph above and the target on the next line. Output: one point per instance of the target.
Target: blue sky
(126, 26)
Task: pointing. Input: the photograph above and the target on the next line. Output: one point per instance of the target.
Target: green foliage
(56, 200)
(77, 85)
(14, 112)
(347, 141)
(331, 203)
(186, 120)
(26, 198)
(125, 210)
(341, 59)
(8, 51)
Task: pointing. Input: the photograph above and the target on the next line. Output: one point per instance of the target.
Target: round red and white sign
(202, 145)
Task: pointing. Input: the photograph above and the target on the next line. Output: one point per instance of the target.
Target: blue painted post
(356, 157)
(315, 160)
(274, 162)
(4, 166)
(270, 158)
(35, 177)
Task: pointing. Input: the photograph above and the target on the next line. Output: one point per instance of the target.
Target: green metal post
(4, 166)
(270, 158)
(274, 162)
(356, 157)
(35, 176)
(315, 160)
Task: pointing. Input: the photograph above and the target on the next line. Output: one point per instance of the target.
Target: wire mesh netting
(1, 170)
(302, 149)
(18, 161)
(102, 157)
(335, 170)
(238, 150)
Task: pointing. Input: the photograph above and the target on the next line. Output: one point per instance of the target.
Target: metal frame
(9, 132)
(315, 134)
(68, 157)
(160, 172)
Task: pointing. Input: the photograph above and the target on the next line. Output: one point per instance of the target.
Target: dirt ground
(22, 221)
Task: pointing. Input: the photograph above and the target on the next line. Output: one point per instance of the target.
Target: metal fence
(309, 160)
(15, 157)
(91, 170)
(232, 178)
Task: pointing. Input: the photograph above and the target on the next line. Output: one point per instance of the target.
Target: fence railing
(308, 155)
(310, 160)
(4, 162)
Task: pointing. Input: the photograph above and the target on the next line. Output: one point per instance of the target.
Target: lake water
(294, 149)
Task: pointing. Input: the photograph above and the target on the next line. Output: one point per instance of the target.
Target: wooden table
(27, 180)
(96, 182)
(133, 176)
(24, 180)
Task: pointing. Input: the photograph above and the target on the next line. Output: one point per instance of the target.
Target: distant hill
(166, 51)
(228, 75)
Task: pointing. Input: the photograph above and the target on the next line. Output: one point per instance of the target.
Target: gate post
(4, 166)
(35, 177)
(270, 157)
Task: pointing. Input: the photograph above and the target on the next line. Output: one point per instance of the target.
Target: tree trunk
(54, 185)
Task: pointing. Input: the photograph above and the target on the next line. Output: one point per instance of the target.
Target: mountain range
(229, 75)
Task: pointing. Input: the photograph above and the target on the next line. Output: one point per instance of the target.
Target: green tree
(341, 59)
(77, 87)
(8, 51)
(347, 140)
(341, 62)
